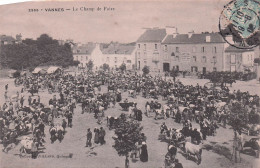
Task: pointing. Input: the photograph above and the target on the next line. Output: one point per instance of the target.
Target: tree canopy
(146, 70)
(31, 53)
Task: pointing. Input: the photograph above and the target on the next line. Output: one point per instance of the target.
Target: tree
(122, 67)
(31, 53)
(127, 132)
(90, 65)
(105, 67)
(146, 70)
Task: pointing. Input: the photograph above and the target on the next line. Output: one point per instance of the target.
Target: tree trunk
(126, 162)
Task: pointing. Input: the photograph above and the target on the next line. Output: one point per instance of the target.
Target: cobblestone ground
(105, 156)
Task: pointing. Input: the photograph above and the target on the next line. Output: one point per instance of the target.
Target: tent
(53, 69)
(39, 70)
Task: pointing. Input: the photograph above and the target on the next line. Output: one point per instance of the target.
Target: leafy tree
(122, 67)
(105, 67)
(127, 132)
(146, 70)
(31, 53)
(90, 65)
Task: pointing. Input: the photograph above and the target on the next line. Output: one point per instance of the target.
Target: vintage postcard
(145, 84)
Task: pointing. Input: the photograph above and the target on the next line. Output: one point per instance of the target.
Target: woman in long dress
(144, 153)
(96, 137)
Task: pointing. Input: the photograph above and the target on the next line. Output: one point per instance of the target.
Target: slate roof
(194, 39)
(234, 49)
(84, 49)
(117, 48)
(152, 35)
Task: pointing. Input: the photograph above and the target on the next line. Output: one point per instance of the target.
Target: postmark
(239, 23)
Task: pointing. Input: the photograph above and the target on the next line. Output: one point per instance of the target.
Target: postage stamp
(239, 23)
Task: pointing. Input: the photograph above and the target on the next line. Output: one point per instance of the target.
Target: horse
(192, 149)
(53, 132)
(60, 132)
(26, 143)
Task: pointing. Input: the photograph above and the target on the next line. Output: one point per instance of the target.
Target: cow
(192, 149)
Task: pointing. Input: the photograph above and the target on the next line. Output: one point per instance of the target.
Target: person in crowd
(89, 137)
(163, 127)
(30, 100)
(144, 153)
(70, 119)
(96, 136)
(178, 164)
(102, 134)
(64, 124)
(34, 149)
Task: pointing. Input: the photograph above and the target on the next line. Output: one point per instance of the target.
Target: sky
(125, 24)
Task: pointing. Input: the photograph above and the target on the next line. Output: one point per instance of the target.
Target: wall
(187, 52)
(149, 56)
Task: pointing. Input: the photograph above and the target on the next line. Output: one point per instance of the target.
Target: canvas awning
(52, 69)
(37, 70)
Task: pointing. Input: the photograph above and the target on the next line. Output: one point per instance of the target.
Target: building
(117, 54)
(194, 52)
(83, 53)
(4, 40)
(113, 54)
(148, 49)
(239, 59)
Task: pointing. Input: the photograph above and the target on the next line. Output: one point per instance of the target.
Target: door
(204, 70)
(166, 67)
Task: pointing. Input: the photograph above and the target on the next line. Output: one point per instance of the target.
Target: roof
(194, 39)
(84, 49)
(6, 38)
(117, 48)
(52, 69)
(152, 35)
(235, 49)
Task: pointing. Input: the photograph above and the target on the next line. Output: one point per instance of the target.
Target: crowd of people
(209, 107)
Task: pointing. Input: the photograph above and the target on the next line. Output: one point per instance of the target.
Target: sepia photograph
(130, 84)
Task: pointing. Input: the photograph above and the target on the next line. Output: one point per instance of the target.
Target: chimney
(208, 38)
(190, 33)
(170, 30)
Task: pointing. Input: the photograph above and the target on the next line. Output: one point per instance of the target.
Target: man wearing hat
(89, 137)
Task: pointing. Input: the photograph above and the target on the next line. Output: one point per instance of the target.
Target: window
(155, 46)
(214, 69)
(81, 58)
(78, 51)
(204, 59)
(115, 59)
(194, 58)
(215, 49)
(172, 54)
(177, 49)
(214, 59)
(233, 59)
(139, 46)
(193, 49)
(128, 61)
(165, 47)
(144, 46)
(177, 58)
(203, 49)
(77, 58)
(139, 55)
